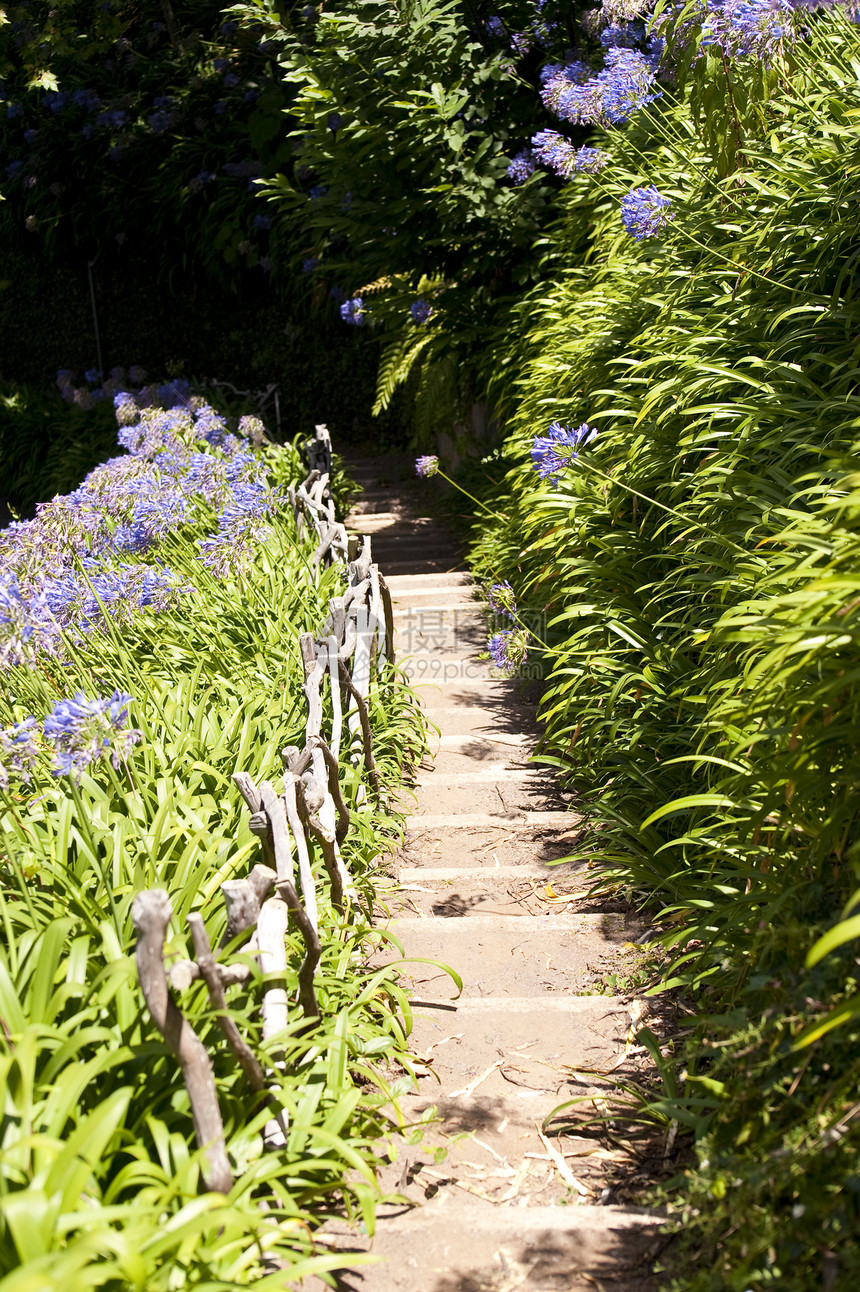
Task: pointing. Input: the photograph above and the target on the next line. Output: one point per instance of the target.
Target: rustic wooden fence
(308, 821)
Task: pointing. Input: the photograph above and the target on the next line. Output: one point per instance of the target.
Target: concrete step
(527, 821)
(420, 637)
(430, 568)
(506, 955)
(482, 847)
(476, 771)
(519, 1046)
(400, 583)
(467, 891)
(455, 1245)
(508, 792)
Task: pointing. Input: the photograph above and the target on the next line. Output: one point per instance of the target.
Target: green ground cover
(150, 626)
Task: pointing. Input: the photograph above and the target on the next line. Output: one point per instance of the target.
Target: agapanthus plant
(501, 599)
(18, 751)
(552, 452)
(83, 730)
(625, 84)
(66, 571)
(737, 29)
(557, 153)
(508, 649)
(645, 212)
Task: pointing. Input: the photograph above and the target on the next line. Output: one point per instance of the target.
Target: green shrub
(700, 569)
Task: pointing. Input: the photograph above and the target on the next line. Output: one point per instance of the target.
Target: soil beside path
(496, 1205)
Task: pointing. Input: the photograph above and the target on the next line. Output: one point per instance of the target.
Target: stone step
(449, 671)
(467, 891)
(558, 876)
(509, 793)
(382, 518)
(420, 637)
(505, 955)
(521, 1046)
(400, 583)
(454, 1245)
(500, 715)
(429, 568)
(481, 847)
(446, 610)
(516, 821)
(488, 773)
(387, 544)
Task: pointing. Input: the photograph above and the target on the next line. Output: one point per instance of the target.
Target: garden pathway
(501, 1208)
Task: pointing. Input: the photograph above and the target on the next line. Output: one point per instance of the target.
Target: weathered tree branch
(151, 913)
(367, 734)
(215, 987)
(307, 995)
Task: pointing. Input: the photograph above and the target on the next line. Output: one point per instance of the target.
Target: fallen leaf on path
(563, 1169)
(473, 1085)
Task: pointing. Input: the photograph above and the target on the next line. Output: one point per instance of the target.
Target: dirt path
(498, 1207)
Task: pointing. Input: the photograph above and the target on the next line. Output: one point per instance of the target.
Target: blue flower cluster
(67, 571)
(76, 732)
(552, 452)
(354, 312)
(740, 28)
(508, 649)
(501, 599)
(626, 84)
(557, 153)
(421, 311)
(645, 212)
(522, 165)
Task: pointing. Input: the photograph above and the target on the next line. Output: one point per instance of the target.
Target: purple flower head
(56, 100)
(318, 191)
(501, 599)
(421, 311)
(353, 311)
(126, 408)
(521, 43)
(623, 35)
(334, 121)
(225, 554)
(252, 429)
(645, 212)
(552, 452)
(557, 153)
(309, 264)
(262, 223)
(427, 466)
(741, 28)
(626, 83)
(508, 649)
(83, 730)
(496, 28)
(137, 375)
(18, 751)
(522, 165)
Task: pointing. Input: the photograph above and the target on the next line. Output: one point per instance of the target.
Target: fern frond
(395, 366)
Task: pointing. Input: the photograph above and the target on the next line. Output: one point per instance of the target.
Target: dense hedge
(699, 564)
